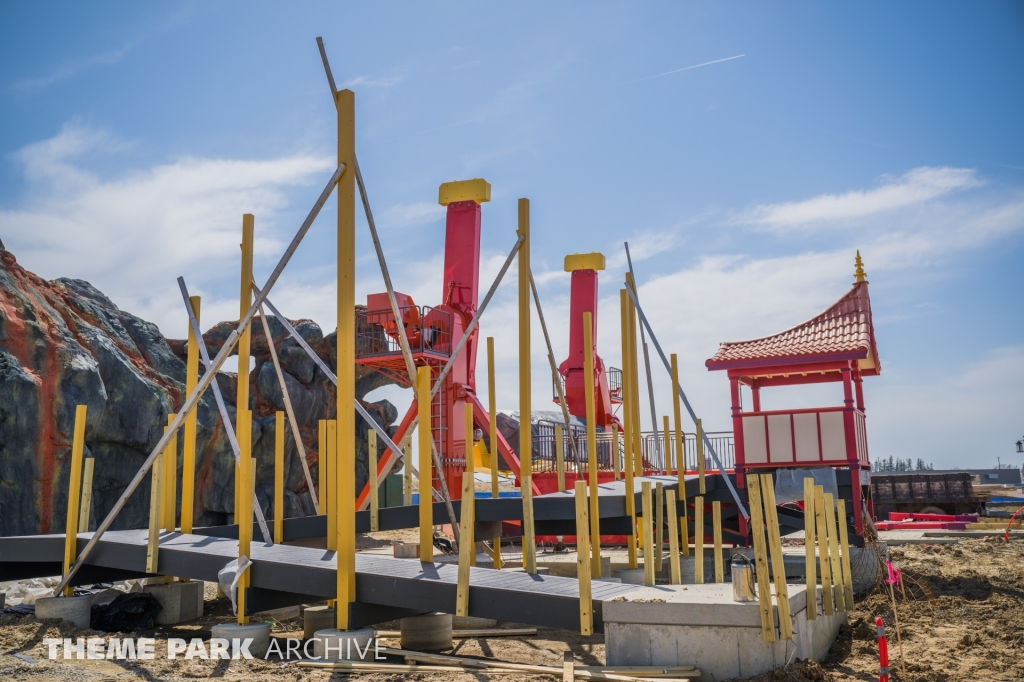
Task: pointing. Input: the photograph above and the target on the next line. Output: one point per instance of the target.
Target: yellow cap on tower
(584, 261)
(477, 189)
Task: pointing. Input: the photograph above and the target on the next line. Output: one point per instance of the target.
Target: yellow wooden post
(188, 463)
(170, 494)
(833, 552)
(824, 565)
(638, 455)
(492, 411)
(778, 560)
(645, 534)
(525, 405)
(627, 428)
(345, 102)
(560, 457)
(810, 565)
(74, 489)
(371, 451)
(680, 441)
(86, 507)
(582, 546)
(698, 541)
(667, 437)
(764, 590)
(716, 524)
(407, 472)
(245, 338)
(155, 492)
(322, 469)
(467, 542)
(844, 544)
(675, 575)
(659, 525)
(332, 485)
(244, 512)
(588, 388)
(279, 477)
(700, 456)
(616, 467)
(425, 465)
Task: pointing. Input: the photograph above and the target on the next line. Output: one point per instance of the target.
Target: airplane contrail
(687, 68)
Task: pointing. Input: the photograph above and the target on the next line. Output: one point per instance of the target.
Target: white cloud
(372, 81)
(133, 235)
(914, 187)
(643, 246)
(407, 215)
(69, 70)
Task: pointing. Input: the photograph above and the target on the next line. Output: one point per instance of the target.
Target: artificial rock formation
(63, 343)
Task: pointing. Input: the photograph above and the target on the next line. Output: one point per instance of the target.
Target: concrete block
(180, 601)
(77, 610)
(316, 618)
(430, 632)
(258, 632)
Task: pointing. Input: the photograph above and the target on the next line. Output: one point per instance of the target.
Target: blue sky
(133, 135)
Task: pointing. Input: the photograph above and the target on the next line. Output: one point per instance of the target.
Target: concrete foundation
(344, 645)
(701, 625)
(75, 610)
(180, 601)
(315, 618)
(259, 633)
(564, 564)
(430, 632)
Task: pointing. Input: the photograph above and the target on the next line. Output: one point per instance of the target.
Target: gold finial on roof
(859, 274)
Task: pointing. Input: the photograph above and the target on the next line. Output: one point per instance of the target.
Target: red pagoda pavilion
(837, 345)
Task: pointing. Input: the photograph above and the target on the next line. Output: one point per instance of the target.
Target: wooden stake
(525, 404)
(279, 477)
(321, 456)
(698, 541)
(245, 338)
(567, 667)
(645, 534)
(716, 522)
(764, 590)
(668, 446)
(188, 463)
(426, 437)
(810, 563)
(675, 575)
(627, 428)
(824, 565)
(371, 451)
(74, 491)
(492, 408)
(588, 389)
(407, 472)
(560, 457)
(155, 490)
(170, 494)
(778, 559)
(844, 545)
(700, 455)
(243, 515)
(677, 420)
(616, 465)
(467, 545)
(659, 526)
(332, 484)
(86, 506)
(582, 559)
(833, 553)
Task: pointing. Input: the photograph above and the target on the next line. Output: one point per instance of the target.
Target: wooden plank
(332, 487)
(371, 451)
(407, 472)
(170, 479)
(321, 459)
(659, 524)
(467, 544)
(582, 560)
(675, 575)
(778, 560)
(86, 507)
(844, 544)
(833, 553)
(426, 464)
(645, 534)
(588, 389)
(74, 490)
(560, 457)
(716, 523)
(568, 663)
(827, 597)
(810, 563)
(155, 490)
(700, 457)
(279, 477)
(698, 541)
(764, 590)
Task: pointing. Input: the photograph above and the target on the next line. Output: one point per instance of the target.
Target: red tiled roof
(843, 331)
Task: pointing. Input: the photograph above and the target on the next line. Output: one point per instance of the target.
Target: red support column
(755, 391)
(737, 437)
(851, 451)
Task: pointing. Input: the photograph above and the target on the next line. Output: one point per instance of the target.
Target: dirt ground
(963, 619)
